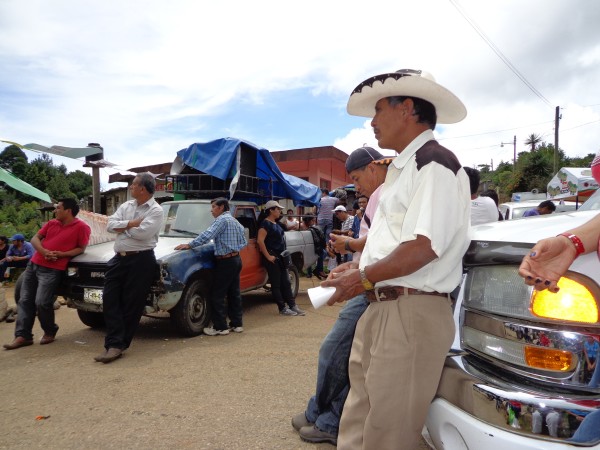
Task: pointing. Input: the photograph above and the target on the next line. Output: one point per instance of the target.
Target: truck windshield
(185, 219)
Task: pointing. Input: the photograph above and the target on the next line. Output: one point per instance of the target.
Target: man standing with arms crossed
(410, 263)
(56, 243)
(131, 271)
(229, 238)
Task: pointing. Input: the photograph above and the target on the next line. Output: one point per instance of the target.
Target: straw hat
(408, 83)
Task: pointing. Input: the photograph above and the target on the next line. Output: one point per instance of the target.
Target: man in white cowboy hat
(410, 263)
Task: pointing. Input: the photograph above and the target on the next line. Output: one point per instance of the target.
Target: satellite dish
(177, 166)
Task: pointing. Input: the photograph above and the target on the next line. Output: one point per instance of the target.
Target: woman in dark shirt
(271, 243)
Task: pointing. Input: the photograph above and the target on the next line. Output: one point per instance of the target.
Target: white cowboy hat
(408, 83)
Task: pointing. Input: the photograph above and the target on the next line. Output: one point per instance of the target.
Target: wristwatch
(365, 282)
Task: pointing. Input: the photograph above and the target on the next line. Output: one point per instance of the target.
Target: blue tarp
(221, 159)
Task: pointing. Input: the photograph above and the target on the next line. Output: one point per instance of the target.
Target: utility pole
(514, 143)
(514, 153)
(92, 161)
(556, 122)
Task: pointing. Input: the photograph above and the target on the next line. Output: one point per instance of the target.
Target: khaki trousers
(396, 361)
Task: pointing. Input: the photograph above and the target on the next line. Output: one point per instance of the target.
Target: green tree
(585, 161)
(58, 187)
(12, 158)
(18, 213)
(80, 183)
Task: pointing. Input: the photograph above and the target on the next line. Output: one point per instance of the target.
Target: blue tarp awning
(221, 159)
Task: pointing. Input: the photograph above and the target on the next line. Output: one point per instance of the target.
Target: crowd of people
(397, 259)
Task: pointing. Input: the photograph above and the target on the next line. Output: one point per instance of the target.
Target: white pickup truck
(516, 377)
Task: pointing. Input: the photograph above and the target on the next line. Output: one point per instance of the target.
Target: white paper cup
(319, 295)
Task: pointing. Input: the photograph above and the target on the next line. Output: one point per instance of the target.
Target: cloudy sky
(148, 78)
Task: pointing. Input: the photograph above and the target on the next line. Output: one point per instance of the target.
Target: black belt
(227, 255)
(136, 252)
(393, 293)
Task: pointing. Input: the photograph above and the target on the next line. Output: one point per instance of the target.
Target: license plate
(92, 296)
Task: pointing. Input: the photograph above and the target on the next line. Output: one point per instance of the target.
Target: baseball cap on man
(406, 83)
(363, 156)
(271, 204)
(339, 208)
(18, 237)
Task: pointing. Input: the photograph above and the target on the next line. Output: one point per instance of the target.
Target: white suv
(515, 378)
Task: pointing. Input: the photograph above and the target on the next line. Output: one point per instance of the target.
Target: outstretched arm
(550, 258)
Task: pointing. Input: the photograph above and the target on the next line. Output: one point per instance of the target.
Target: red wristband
(576, 242)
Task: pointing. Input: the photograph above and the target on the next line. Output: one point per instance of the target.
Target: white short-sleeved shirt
(483, 210)
(426, 192)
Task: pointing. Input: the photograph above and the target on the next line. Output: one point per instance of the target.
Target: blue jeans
(327, 227)
(320, 260)
(589, 430)
(325, 407)
(37, 296)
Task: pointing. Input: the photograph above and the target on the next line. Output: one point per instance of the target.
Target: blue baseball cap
(18, 237)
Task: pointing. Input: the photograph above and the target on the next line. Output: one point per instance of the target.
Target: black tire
(192, 312)
(294, 280)
(91, 319)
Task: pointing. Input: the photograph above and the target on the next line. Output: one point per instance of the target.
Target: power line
(496, 50)
(496, 131)
(582, 125)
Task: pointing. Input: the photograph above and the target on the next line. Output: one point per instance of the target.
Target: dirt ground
(167, 392)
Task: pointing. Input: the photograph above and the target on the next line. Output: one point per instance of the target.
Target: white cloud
(144, 78)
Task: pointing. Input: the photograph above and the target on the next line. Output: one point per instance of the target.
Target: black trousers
(127, 284)
(226, 283)
(281, 289)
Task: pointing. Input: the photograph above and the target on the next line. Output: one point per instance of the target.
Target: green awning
(20, 185)
(68, 152)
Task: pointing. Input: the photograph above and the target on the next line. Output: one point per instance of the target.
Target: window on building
(325, 184)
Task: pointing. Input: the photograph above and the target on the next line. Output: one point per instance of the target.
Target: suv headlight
(500, 290)
(72, 271)
(505, 320)
(573, 302)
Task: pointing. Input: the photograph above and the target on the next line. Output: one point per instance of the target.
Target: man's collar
(149, 202)
(400, 161)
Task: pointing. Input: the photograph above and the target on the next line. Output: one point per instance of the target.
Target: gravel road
(167, 392)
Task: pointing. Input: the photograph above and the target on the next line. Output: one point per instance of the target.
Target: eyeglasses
(381, 78)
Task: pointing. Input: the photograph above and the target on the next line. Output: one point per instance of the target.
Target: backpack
(318, 239)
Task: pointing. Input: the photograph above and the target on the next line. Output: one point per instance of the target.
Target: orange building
(324, 167)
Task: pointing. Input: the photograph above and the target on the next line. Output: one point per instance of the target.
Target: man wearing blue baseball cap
(18, 255)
